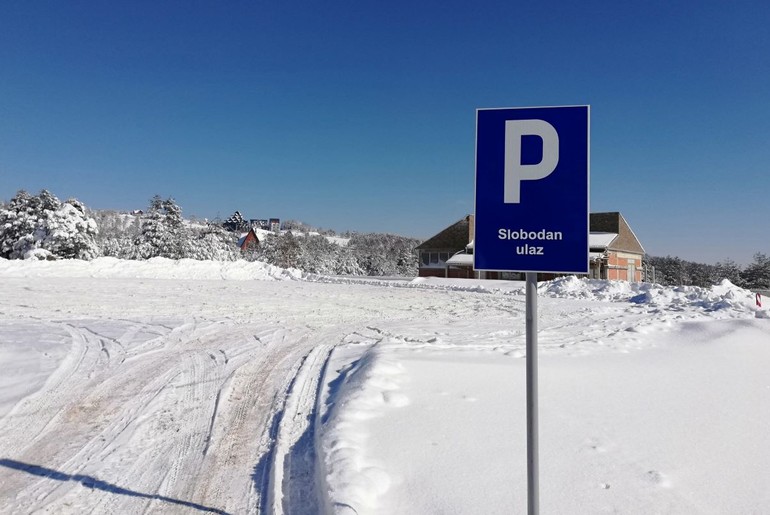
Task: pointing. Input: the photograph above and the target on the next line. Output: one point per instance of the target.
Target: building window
(433, 259)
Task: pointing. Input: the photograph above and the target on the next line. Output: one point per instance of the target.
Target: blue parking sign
(532, 189)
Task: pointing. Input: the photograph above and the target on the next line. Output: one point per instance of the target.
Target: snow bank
(471, 285)
(416, 428)
(364, 390)
(390, 442)
(155, 268)
(724, 296)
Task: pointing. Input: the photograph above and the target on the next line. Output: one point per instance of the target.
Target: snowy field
(235, 388)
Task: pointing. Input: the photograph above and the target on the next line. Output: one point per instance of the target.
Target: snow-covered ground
(204, 387)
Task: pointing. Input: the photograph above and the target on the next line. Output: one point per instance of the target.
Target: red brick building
(616, 252)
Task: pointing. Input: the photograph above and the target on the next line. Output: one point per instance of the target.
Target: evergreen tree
(757, 274)
(319, 255)
(41, 225)
(295, 225)
(729, 270)
(701, 274)
(71, 232)
(670, 271)
(385, 254)
(17, 226)
(163, 233)
(212, 243)
(283, 250)
(288, 251)
(118, 233)
(346, 262)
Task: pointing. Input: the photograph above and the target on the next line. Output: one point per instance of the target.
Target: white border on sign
(588, 200)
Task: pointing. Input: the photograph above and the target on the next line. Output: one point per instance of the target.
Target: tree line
(43, 227)
(372, 254)
(673, 271)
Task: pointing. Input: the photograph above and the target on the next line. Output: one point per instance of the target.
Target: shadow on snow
(98, 484)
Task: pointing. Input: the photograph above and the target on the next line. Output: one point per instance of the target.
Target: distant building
(258, 223)
(258, 230)
(434, 254)
(252, 239)
(615, 252)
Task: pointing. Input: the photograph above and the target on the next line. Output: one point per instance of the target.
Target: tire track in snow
(291, 482)
(247, 406)
(97, 445)
(34, 415)
(184, 416)
(74, 445)
(143, 427)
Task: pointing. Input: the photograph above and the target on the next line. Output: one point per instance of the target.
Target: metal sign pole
(533, 500)
(532, 214)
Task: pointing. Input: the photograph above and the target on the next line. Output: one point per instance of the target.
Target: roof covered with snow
(613, 222)
(260, 234)
(601, 240)
(461, 260)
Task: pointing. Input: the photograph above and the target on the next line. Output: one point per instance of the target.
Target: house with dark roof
(614, 251)
(435, 253)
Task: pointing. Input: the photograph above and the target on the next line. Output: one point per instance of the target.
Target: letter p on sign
(515, 172)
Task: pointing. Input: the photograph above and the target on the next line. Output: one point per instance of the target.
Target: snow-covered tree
(71, 233)
(320, 256)
(346, 262)
(284, 251)
(757, 274)
(212, 243)
(18, 222)
(296, 225)
(163, 233)
(368, 254)
(671, 271)
(118, 233)
(43, 226)
(702, 275)
(385, 254)
(729, 269)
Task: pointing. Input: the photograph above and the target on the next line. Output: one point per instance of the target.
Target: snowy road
(158, 396)
(142, 394)
(162, 395)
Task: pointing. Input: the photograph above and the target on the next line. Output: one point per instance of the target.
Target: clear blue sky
(361, 115)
